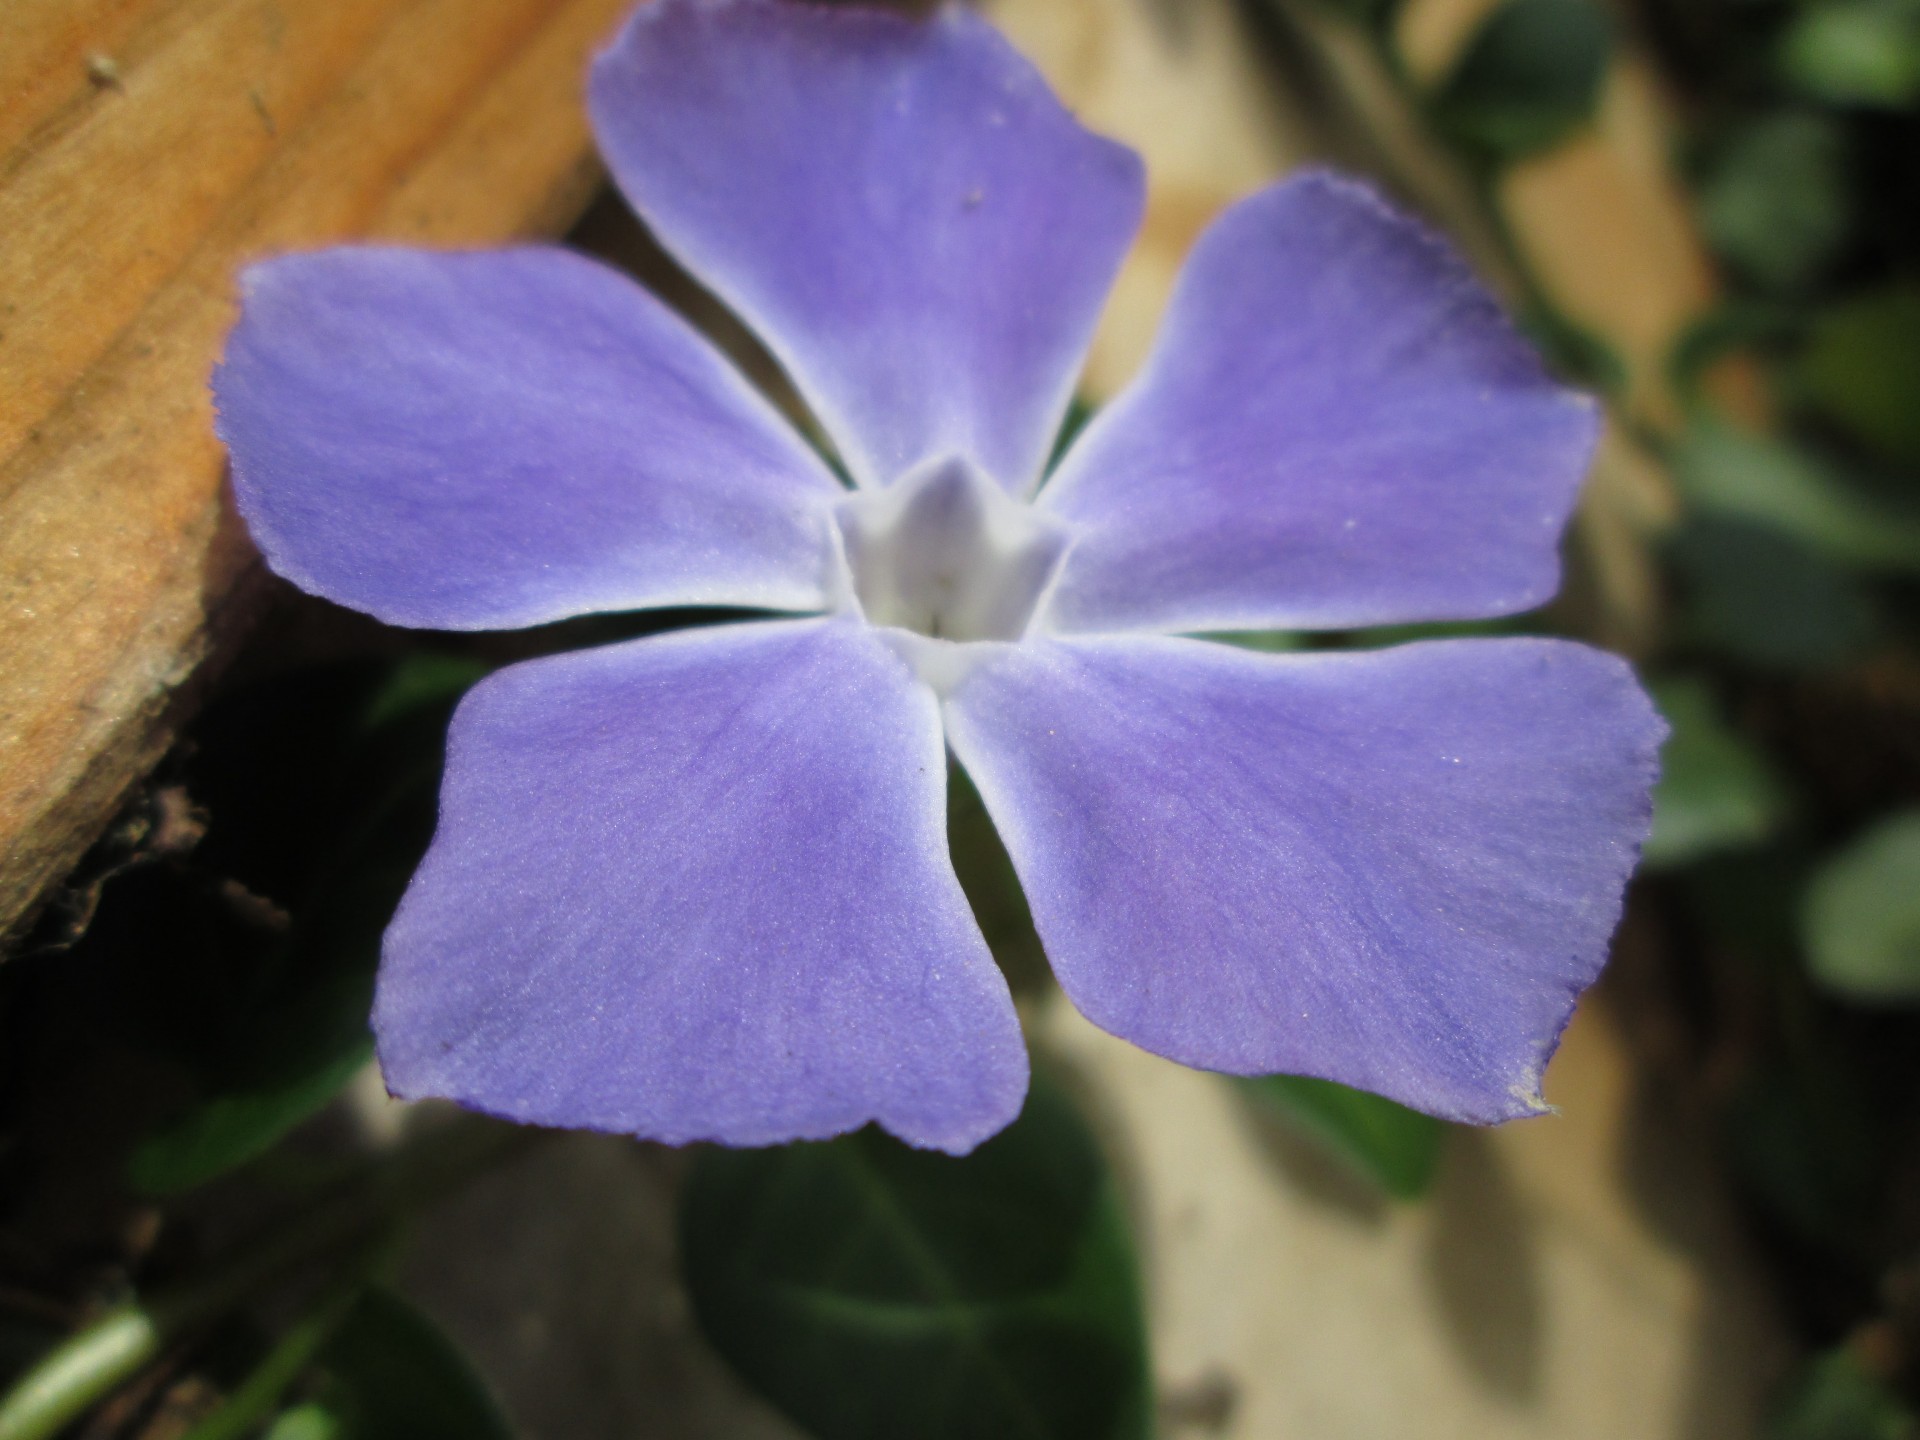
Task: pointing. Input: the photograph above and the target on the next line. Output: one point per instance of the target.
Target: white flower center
(945, 559)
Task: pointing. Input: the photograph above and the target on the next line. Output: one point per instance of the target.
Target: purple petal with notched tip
(1394, 869)
(901, 210)
(1336, 428)
(486, 440)
(696, 887)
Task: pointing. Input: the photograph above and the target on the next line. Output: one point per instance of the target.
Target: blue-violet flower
(696, 886)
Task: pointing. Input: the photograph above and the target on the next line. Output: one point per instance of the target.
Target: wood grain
(130, 194)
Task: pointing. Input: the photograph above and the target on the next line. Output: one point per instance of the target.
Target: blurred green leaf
(226, 1131)
(1274, 642)
(306, 1422)
(986, 874)
(1835, 1398)
(1855, 52)
(1731, 472)
(1747, 899)
(1574, 352)
(260, 1394)
(24, 1340)
(391, 1374)
(1373, 14)
(1776, 203)
(1079, 412)
(1860, 919)
(1734, 325)
(1805, 1141)
(1530, 76)
(305, 1033)
(874, 1291)
(1861, 370)
(417, 686)
(1396, 1148)
(1716, 792)
(1379, 637)
(1766, 599)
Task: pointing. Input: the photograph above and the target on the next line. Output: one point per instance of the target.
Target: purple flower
(696, 886)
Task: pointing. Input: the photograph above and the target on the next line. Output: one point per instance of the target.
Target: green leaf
(1861, 370)
(1776, 203)
(986, 874)
(1860, 920)
(1716, 791)
(1806, 1144)
(305, 1033)
(1396, 1148)
(1376, 15)
(226, 1131)
(1731, 327)
(1572, 351)
(1836, 1398)
(1730, 472)
(1273, 642)
(1766, 599)
(393, 1375)
(260, 1393)
(874, 1291)
(424, 685)
(25, 1340)
(1855, 52)
(1079, 411)
(1379, 637)
(1530, 76)
(1747, 900)
(306, 1422)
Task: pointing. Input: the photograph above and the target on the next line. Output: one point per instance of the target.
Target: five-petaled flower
(696, 885)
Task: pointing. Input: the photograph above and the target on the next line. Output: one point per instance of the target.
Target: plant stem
(86, 1368)
(261, 1391)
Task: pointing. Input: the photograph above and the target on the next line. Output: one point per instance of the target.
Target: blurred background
(1705, 211)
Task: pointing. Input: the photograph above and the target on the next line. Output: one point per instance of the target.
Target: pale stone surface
(1549, 1287)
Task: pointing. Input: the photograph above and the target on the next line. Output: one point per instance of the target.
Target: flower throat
(947, 554)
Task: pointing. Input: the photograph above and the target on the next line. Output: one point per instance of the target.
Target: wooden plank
(45, 70)
(122, 569)
(99, 213)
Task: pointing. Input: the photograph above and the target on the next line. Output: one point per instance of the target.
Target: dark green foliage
(1860, 922)
(872, 1290)
(1861, 371)
(1776, 203)
(1765, 599)
(389, 1373)
(1375, 15)
(1530, 77)
(367, 797)
(1855, 52)
(1811, 1150)
(1396, 1148)
(1794, 487)
(1717, 791)
(1575, 353)
(1838, 1398)
(986, 874)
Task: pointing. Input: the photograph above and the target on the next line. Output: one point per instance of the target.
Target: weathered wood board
(148, 148)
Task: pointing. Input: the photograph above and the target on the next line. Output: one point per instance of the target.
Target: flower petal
(697, 887)
(1394, 869)
(503, 438)
(1336, 428)
(901, 209)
